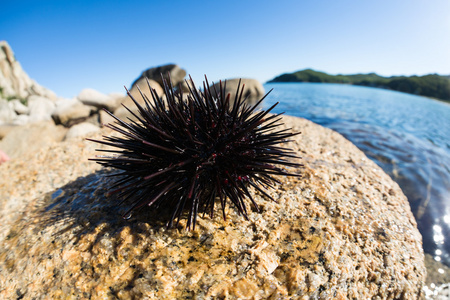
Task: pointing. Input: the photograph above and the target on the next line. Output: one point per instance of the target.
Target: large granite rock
(253, 89)
(176, 75)
(342, 231)
(14, 82)
(126, 101)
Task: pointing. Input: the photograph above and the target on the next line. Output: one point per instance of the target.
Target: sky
(67, 46)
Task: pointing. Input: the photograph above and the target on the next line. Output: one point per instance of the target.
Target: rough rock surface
(14, 82)
(344, 230)
(253, 89)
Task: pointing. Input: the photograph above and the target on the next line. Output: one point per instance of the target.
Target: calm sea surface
(408, 136)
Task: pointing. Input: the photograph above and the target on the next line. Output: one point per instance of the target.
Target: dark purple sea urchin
(185, 154)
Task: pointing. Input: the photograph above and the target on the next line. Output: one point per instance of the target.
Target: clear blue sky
(70, 45)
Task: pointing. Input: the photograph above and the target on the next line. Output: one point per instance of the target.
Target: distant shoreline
(432, 86)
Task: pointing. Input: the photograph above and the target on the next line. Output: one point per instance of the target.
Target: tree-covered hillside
(432, 85)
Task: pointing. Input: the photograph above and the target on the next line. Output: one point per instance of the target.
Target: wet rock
(342, 231)
(253, 89)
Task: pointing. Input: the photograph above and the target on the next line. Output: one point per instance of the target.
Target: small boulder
(41, 108)
(116, 96)
(253, 89)
(81, 130)
(97, 99)
(70, 111)
(176, 73)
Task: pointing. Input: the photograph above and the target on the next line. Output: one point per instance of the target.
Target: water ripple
(406, 135)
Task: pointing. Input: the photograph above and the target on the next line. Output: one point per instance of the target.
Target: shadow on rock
(84, 207)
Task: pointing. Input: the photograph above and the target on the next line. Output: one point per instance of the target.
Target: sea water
(406, 135)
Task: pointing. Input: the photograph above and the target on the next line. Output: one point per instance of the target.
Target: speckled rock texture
(342, 231)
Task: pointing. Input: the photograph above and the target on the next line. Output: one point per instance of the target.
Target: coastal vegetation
(432, 85)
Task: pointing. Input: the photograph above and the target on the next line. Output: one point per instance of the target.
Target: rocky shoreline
(60, 235)
(343, 230)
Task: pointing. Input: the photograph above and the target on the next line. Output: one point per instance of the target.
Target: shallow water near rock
(407, 135)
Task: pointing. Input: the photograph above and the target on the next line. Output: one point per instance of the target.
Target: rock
(176, 75)
(116, 95)
(253, 89)
(30, 138)
(71, 111)
(122, 113)
(97, 99)
(19, 107)
(21, 120)
(7, 114)
(143, 85)
(81, 130)
(41, 108)
(106, 118)
(14, 82)
(342, 231)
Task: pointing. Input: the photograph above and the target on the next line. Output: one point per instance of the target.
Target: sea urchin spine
(185, 154)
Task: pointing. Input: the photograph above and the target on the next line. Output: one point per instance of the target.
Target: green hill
(432, 85)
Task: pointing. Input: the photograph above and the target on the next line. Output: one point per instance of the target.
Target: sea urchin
(183, 154)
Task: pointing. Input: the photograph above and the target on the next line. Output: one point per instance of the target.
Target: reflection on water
(408, 136)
